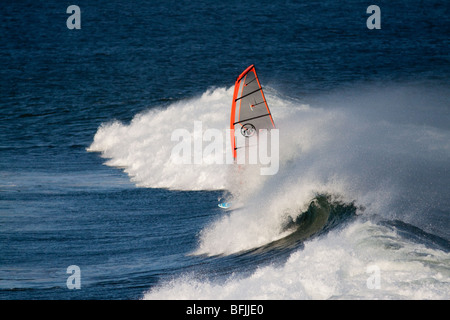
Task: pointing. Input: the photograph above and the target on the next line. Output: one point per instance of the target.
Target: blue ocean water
(85, 171)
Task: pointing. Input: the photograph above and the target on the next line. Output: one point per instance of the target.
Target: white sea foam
(143, 147)
(338, 266)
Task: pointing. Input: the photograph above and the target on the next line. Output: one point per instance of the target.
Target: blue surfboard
(225, 205)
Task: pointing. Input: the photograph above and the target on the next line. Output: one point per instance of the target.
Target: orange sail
(249, 110)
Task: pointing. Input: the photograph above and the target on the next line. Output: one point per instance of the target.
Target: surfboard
(225, 205)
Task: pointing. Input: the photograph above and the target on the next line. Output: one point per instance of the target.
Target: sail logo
(211, 146)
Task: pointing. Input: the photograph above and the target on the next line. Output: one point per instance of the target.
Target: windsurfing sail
(249, 110)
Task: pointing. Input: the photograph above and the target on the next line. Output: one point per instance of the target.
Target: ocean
(93, 207)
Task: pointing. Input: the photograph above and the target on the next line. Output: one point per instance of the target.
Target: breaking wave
(381, 153)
